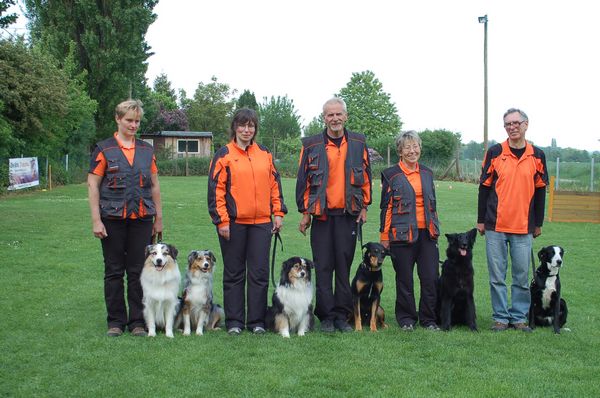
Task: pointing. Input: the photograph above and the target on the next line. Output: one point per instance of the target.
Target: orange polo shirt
(414, 178)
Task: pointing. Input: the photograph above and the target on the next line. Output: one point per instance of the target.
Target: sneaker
(258, 330)
(114, 332)
(522, 326)
(139, 331)
(407, 328)
(433, 327)
(342, 326)
(499, 327)
(234, 331)
(327, 326)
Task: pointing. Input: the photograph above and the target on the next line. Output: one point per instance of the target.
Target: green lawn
(53, 340)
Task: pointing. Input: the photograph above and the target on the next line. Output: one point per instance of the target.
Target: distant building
(178, 143)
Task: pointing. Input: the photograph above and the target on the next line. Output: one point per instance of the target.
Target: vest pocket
(315, 179)
(116, 181)
(357, 176)
(432, 204)
(313, 162)
(111, 208)
(400, 206)
(149, 207)
(401, 233)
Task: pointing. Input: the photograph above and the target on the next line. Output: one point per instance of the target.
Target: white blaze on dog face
(299, 271)
(158, 254)
(555, 259)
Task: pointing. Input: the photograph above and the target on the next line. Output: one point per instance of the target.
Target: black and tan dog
(548, 308)
(455, 294)
(367, 286)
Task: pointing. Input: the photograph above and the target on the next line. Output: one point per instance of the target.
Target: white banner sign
(23, 173)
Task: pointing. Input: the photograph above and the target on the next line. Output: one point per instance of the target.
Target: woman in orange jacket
(245, 202)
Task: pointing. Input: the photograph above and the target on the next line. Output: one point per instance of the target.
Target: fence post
(557, 173)
(388, 156)
(67, 162)
(592, 177)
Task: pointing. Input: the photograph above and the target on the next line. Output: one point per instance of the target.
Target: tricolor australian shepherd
(292, 309)
(160, 283)
(455, 286)
(367, 286)
(197, 309)
(547, 306)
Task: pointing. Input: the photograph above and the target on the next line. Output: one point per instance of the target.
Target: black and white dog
(197, 309)
(455, 293)
(292, 309)
(547, 306)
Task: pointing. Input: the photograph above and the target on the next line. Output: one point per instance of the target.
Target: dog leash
(359, 233)
(277, 238)
(157, 238)
(532, 263)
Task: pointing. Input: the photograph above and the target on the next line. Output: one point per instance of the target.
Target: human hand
(537, 232)
(304, 224)
(362, 216)
(481, 228)
(224, 232)
(277, 224)
(157, 227)
(99, 230)
(385, 243)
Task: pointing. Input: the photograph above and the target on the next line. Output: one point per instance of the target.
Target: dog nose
(159, 261)
(302, 274)
(559, 262)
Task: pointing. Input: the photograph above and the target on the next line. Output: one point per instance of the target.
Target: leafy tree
(110, 46)
(211, 109)
(278, 120)
(169, 121)
(439, 147)
(7, 20)
(370, 109)
(315, 126)
(164, 94)
(46, 106)
(247, 100)
(473, 150)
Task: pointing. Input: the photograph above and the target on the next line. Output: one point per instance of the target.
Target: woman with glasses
(410, 229)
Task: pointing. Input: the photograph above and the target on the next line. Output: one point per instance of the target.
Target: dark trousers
(333, 242)
(246, 252)
(425, 253)
(124, 252)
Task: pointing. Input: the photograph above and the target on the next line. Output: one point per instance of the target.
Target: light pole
(484, 21)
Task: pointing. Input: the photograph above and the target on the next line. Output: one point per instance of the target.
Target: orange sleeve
(367, 188)
(220, 178)
(276, 191)
(154, 168)
(100, 168)
(386, 210)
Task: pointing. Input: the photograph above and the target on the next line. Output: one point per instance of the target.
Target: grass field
(53, 340)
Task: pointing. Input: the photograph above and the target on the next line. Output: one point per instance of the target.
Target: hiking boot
(327, 326)
(499, 327)
(522, 326)
(433, 327)
(342, 326)
(139, 331)
(114, 332)
(234, 331)
(407, 328)
(259, 330)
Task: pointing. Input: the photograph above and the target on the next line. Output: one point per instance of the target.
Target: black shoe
(259, 330)
(342, 326)
(327, 326)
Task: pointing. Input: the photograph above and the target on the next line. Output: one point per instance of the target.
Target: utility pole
(484, 21)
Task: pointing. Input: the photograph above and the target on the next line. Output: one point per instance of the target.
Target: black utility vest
(123, 184)
(317, 174)
(403, 226)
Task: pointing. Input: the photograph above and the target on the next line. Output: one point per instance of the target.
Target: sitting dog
(455, 286)
(160, 283)
(547, 306)
(292, 309)
(196, 309)
(367, 286)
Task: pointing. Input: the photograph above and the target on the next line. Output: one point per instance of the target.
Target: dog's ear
(192, 256)
(542, 254)
(309, 263)
(212, 256)
(472, 234)
(173, 251)
(451, 237)
(148, 250)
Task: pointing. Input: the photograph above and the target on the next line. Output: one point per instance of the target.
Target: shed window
(192, 146)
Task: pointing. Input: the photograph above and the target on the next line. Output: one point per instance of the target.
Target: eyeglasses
(414, 148)
(513, 124)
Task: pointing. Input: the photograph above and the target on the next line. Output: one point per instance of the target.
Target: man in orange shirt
(125, 205)
(511, 202)
(333, 190)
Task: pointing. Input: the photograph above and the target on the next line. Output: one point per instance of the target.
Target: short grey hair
(524, 117)
(335, 100)
(410, 135)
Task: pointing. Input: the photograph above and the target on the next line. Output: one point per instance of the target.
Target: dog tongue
(463, 252)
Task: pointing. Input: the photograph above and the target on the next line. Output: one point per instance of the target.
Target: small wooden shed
(573, 206)
(178, 143)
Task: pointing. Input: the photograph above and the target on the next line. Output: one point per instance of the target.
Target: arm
(367, 188)
(158, 218)
(277, 203)
(301, 193)
(482, 198)
(217, 207)
(386, 213)
(94, 199)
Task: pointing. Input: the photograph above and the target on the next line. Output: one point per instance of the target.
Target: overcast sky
(543, 57)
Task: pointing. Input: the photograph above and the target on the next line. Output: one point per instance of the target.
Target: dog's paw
(301, 333)
(186, 333)
(151, 334)
(199, 333)
(285, 335)
(566, 330)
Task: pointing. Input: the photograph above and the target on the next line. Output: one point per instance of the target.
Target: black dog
(367, 286)
(455, 294)
(547, 307)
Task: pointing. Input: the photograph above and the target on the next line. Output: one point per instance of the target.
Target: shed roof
(185, 134)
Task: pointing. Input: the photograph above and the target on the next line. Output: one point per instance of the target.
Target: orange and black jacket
(333, 179)
(512, 190)
(244, 186)
(398, 219)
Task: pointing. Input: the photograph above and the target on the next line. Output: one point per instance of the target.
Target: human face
(244, 134)
(335, 117)
(515, 127)
(410, 152)
(128, 124)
